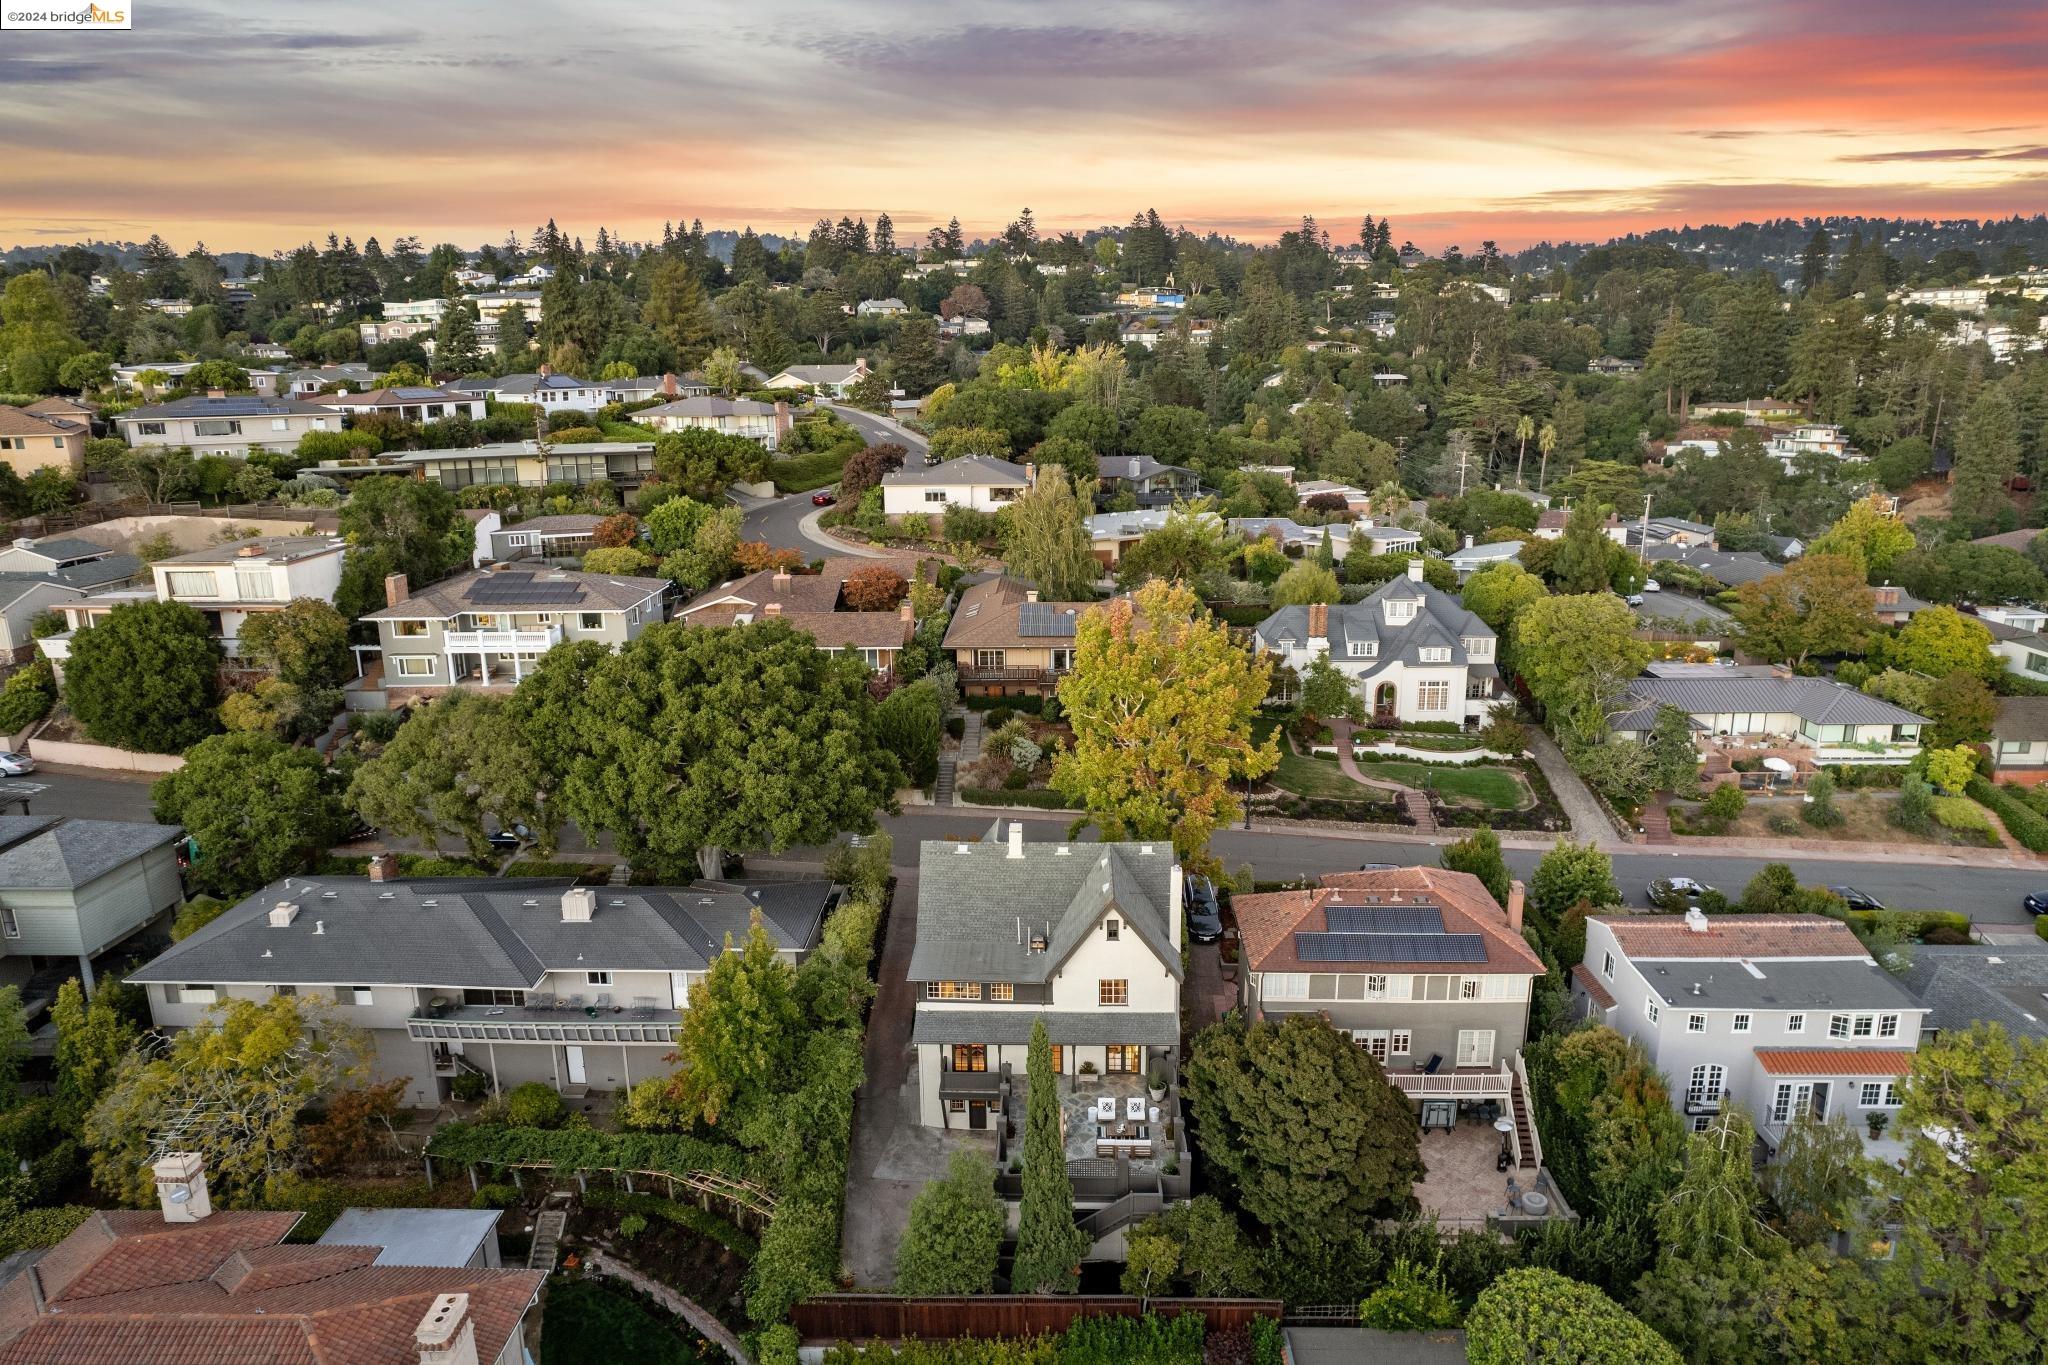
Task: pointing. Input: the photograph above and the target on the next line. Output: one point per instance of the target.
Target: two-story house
(70, 890)
(30, 441)
(526, 464)
(814, 604)
(415, 405)
(1153, 484)
(1784, 1014)
(489, 628)
(566, 536)
(1413, 652)
(1810, 438)
(1418, 965)
(1086, 937)
(1006, 642)
(767, 423)
(39, 576)
(223, 424)
(514, 979)
(230, 583)
(982, 482)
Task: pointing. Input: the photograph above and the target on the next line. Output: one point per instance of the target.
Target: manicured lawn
(1478, 785)
(587, 1320)
(1309, 776)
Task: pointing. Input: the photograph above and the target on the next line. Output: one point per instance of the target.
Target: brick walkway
(1206, 997)
(1589, 818)
(1417, 802)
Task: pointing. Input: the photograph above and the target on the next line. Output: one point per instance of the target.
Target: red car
(824, 497)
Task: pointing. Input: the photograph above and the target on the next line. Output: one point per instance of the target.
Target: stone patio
(1462, 1187)
(1077, 1114)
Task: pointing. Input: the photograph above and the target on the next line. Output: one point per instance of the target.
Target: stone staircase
(547, 1239)
(943, 793)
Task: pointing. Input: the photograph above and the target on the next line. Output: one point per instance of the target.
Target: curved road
(790, 523)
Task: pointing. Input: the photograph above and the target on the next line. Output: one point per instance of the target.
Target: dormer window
(1399, 611)
(1436, 654)
(1365, 649)
(1285, 642)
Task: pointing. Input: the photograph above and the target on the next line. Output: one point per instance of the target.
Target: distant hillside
(1776, 245)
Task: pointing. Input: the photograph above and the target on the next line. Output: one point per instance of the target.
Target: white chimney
(1016, 838)
(579, 903)
(181, 1187)
(1468, 542)
(282, 914)
(1415, 570)
(447, 1334)
(1696, 920)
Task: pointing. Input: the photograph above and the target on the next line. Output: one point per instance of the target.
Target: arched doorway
(1383, 703)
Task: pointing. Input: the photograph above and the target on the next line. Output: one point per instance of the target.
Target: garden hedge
(2021, 820)
(1038, 798)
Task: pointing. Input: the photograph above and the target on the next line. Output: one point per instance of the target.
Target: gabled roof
(1822, 701)
(380, 398)
(1961, 985)
(481, 932)
(822, 374)
(806, 602)
(1733, 938)
(20, 422)
(40, 854)
(1440, 621)
(706, 406)
(978, 906)
(993, 615)
(522, 590)
(2021, 718)
(1443, 912)
(534, 383)
(979, 470)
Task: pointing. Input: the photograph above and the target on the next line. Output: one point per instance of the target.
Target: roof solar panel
(1341, 947)
(1385, 919)
(1043, 618)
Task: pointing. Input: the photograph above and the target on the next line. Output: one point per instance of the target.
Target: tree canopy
(145, 678)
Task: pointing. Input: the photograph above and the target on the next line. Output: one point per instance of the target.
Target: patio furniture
(1436, 1059)
(1134, 1107)
(1105, 1108)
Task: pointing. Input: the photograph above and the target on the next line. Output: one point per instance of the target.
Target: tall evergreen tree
(1049, 1245)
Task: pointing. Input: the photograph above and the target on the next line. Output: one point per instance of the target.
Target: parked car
(1857, 900)
(1378, 867)
(1205, 915)
(824, 497)
(1676, 893)
(16, 765)
(2035, 902)
(1635, 599)
(509, 840)
(1652, 585)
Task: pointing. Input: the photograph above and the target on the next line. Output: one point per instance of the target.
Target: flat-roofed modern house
(1005, 642)
(413, 405)
(72, 889)
(1413, 651)
(513, 979)
(524, 464)
(1782, 1014)
(767, 423)
(1086, 937)
(814, 604)
(569, 535)
(490, 628)
(1758, 708)
(982, 482)
(223, 424)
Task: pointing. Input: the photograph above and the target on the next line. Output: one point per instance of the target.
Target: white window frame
(597, 978)
(1795, 1023)
(1650, 1008)
(362, 995)
(405, 662)
(197, 995)
(1708, 1082)
(9, 924)
(1432, 695)
(1695, 1023)
(1607, 966)
(1402, 1042)
(1741, 1023)
(1887, 1025)
(1375, 986)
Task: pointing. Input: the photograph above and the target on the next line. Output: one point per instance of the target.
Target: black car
(1378, 867)
(2035, 902)
(1205, 915)
(1857, 900)
(509, 840)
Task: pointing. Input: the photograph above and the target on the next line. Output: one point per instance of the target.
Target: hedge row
(1910, 923)
(1039, 798)
(2022, 821)
(803, 473)
(722, 1231)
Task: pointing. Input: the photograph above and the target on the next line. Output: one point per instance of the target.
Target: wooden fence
(867, 1317)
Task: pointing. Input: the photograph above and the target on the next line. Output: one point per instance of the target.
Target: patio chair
(1436, 1059)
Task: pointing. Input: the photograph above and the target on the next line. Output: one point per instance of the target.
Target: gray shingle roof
(971, 898)
(533, 383)
(1439, 621)
(1783, 986)
(234, 405)
(34, 856)
(1071, 1028)
(708, 407)
(1731, 567)
(1962, 985)
(594, 592)
(1820, 700)
(478, 932)
(2021, 718)
(968, 469)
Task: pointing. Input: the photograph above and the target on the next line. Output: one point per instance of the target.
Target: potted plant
(1877, 1122)
(1084, 1074)
(1155, 1081)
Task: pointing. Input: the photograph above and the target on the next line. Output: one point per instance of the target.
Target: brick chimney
(447, 1334)
(908, 616)
(1518, 895)
(384, 867)
(396, 589)
(669, 387)
(216, 393)
(1318, 621)
(544, 370)
(181, 1187)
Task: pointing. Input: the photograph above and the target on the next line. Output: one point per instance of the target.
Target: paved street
(781, 522)
(83, 793)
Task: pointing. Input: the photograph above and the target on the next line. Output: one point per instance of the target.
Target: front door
(1383, 702)
(977, 1113)
(575, 1056)
(1475, 1047)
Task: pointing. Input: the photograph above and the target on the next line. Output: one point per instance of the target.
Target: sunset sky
(258, 126)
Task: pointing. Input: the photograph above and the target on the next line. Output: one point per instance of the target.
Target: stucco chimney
(1318, 621)
(773, 609)
(1415, 570)
(1518, 896)
(579, 903)
(384, 867)
(181, 1187)
(216, 393)
(396, 589)
(1031, 594)
(1016, 839)
(781, 580)
(447, 1334)
(1468, 541)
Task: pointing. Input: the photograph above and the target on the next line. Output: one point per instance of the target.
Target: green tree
(1303, 1123)
(691, 741)
(1049, 1244)
(306, 642)
(1414, 1297)
(677, 311)
(455, 339)
(91, 1040)
(1538, 1317)
(705, 463)
(1987, 457)
(257, 809)
(1192, 542)
(1941, 640)
(457, 766)
(740, 1035)
(1818, 604)
(1161, 702)
(1868, 534)
(1568, 874)
(1971, 1231)
(1577, 655)
(1585, 556)
(1306, 583)
(1326, 692)
(955, 1232)
(1951, 769)
(1498, 592)
(1820, 1179)
(1045, 539)
(907, 723)
(244, 1074)
(415, 522)
(1674, 759)
(1479, 854)
(145, 678)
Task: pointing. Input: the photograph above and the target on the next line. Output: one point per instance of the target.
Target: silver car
(16, 765)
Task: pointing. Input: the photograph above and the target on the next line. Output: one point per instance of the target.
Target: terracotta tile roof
(1824, 1061)
(1601, 996)
(1733, 937)
(126, 1286)
(1268, 922)
(987, 618)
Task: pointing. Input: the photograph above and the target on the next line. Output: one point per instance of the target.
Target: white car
(16, 765)
(1651, 585)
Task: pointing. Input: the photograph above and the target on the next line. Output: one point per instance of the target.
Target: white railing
(1529, 1106)
(1457, 1084)
(545, 637)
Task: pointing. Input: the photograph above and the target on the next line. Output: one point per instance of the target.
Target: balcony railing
(540, 637)
(1471, 1083)
(971, 673)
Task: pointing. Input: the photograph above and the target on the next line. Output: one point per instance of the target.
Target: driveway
(893, 1155)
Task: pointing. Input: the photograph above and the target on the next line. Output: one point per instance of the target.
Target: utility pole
(1643, 549)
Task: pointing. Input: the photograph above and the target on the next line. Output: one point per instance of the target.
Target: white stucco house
(1414, 653)
(982, 482)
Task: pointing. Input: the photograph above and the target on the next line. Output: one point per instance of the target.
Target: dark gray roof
(2021, 718)
(972, 897)
(522, 590)
(1075, 1028)
(1783, 985)
(465, 931)
(533, 383)
(969, 469)
(1135, 467)
(1734, 567)
(707, 406)
(1439, 620)
(2005, 983)
(66, 549)
(35, 856)
(1820, 700)
(234, 405)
